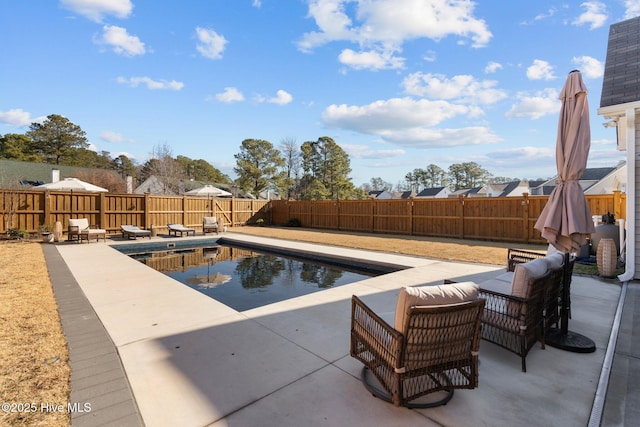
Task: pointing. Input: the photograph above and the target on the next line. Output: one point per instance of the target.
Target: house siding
(636, 195)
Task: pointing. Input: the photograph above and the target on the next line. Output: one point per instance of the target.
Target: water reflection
(245, 279)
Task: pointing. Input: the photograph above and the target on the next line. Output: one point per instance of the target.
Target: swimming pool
(245, 277)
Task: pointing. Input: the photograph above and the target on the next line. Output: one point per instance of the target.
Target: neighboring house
(403, 194)
(470, 192)
(380, 194)
(508, 189)
(24, 175)
(593, 181)
(434, 193)
(541, 187)
(620, 105)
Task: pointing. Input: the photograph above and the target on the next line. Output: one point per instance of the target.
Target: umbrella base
(571, 341)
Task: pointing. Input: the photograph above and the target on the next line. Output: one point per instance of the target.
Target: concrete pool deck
(192, 361)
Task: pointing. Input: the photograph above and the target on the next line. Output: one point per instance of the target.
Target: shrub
(294, 222)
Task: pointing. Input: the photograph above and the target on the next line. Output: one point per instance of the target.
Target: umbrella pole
(561, 337)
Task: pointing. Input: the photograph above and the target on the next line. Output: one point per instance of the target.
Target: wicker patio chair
(437, 351)
(515, 322)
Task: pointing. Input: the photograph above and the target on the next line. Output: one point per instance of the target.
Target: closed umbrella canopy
(71, 184)
(566, 220)
(208, 190)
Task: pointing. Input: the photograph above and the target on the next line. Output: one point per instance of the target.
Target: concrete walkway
(192, 361)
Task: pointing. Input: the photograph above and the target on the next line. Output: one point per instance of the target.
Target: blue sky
(398, 84)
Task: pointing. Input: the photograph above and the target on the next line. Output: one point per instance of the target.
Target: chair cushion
(210, 220)
(525, 272)
(555, 260)
(81, 223)
(432, 295)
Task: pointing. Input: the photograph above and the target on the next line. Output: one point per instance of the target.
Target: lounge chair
(174, 229)
(432, 347)
(210, 223)
(133, 232)
(79, 229)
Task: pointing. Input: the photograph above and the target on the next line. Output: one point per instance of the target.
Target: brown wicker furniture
(210, 223)
(523, 303)
(435, 349)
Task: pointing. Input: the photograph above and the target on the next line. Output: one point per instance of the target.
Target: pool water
(244, 278)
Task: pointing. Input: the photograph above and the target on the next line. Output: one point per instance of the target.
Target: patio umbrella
(566, 220)
(208, 190)
(71, 184)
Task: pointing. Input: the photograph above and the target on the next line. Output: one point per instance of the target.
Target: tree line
(314, 170)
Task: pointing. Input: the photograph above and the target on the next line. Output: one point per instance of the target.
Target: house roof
(621, 82)
(596, 174)
(24, 175)
(509, 187)
(430, 192)
(403, 194)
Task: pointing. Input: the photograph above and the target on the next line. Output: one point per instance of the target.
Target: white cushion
(432, 295)
(524, 272)
(81, 223)
(555, 260)
(210, 220)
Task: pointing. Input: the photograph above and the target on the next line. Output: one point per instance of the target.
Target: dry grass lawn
(429, 247)
(34, 363)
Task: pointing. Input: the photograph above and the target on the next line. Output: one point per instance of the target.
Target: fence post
(617, 204)
(339, 213)
(46, 196)
(147, 214)
(373, 215)
(101, 210)
(410, 203)
(525, 217)
(461, 200)
(233, 221)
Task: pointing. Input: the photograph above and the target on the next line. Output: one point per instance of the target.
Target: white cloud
(120, 41)
(408, 122)
(463, 88)
(589, 66)
(595, 15)
(358, 151)
(384, 25)
(257, 3)
(17, 117)
(150, 83)
(95, 10)
(370, 60)
(632, 9)
(230, 94)
(282, 98)
(492, 67)
(535, 106)
(113, 137)
(540, 70)
(519, 158)
(211, 44)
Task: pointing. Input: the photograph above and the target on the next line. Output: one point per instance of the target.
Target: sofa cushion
(525, 272)
(210, 220)
(432, 295)
(496, 285)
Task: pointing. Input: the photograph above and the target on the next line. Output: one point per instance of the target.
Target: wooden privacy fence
(30, 211)
(508, 219)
